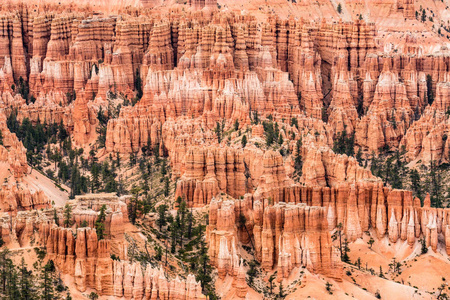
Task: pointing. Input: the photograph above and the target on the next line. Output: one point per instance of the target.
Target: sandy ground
(36, 181)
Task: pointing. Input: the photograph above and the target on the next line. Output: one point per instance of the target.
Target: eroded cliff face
(190, 84)
(14, 195)
(78, 252)
(284, 236)
(213, 66)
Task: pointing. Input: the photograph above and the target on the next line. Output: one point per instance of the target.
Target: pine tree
(328, 287)
(162, 220)
(218, 131)
(381, 274)
(67, 215)
(93, 296)
(271, 279)
(244, 141)
(174, 228)
(166, 186)
(25, 282)
(298, 163)
(99, 224)
(424, 15)
(204, 268)
(359, 156)
(46, 285)
(280, 139)
(163, 168)
(55, 217)
(339, 8)
(236, 125)
(138, 85)
(95, 180)
(338, 235)
(424, 248)
(434, 185)
(281, 294)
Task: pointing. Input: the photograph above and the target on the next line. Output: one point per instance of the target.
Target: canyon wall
(213, 66)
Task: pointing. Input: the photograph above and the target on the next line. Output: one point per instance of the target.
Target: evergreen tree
(134, 204)
(359, 156)
(281, 294)
(99, 223)
(25, 282)
(55, 217)
(430, 95)
(424, 248)
(252, 272)
(174, 228)
(294, 122)
(95, 180)
(271, 279)
(138, 85)
(434, 184)
(244, 141)
(345, 250)
(166, 186)
(416, 184)
(204, 269)
(67, 215)
(236, 125)
(328, 287)
(424, 15)
(162, 214)
(218, 131)
(23, 88)
(255, 117)
(163, 168)
(339, 8)
(47, 285)
(280, 139)
(269, 131)
(298, 163)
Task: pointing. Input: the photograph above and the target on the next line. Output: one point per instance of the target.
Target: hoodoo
(211, 149)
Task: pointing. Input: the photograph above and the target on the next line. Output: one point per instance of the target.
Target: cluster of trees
(255, 117)
(423, 15)
(104, 175)
(69, 165)
(392, 169)
(145, 193)
(343, 243)
(272, 132)
(298, 161)
(219, 130)
(103, 119)
(344, 143)
(35, 137)
(23, 89)
(429, 180)
(71, 96)
(186, 237)
(20, 282)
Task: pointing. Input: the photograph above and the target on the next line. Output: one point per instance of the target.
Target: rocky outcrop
(286, 235)
(16, 197)
(77, 251)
